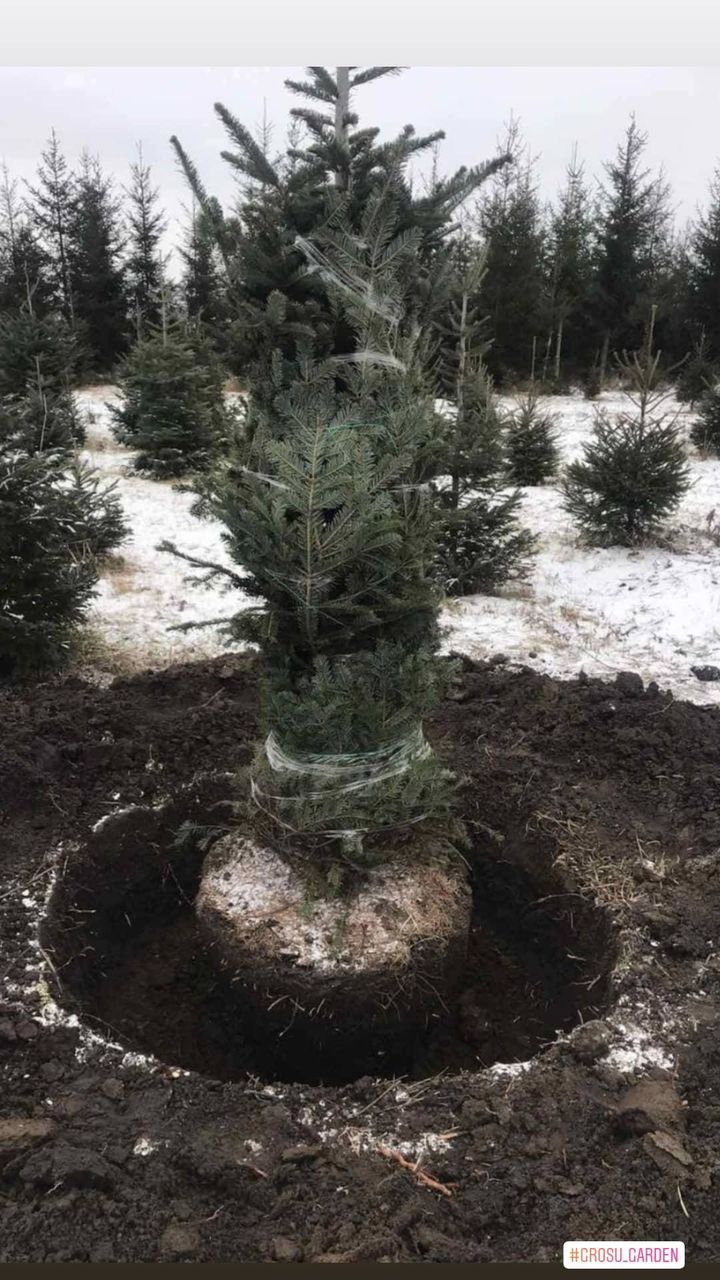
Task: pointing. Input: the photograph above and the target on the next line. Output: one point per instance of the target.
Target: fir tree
(482, 545)
(51, 211)
(174, 413)
(531, 446)
(97, 277)
(514, 286)
(54, 523)
(38, 362)
(570, 267)
(202, 284)
(705, 432)
(144, 263)
(633, 473)
(334, 533)
(274, 299)
(24, 266)
(697, 374)
(704, 271)
(632, 221)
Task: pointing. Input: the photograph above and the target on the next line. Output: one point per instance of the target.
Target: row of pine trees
(493, 289)
(566, 284)
(74, 245)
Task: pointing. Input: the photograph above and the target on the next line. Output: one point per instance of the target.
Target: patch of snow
(652, 610)
(143, 591)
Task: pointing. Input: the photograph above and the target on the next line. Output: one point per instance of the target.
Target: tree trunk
(604, 360)
(342, 106)
(558, 348)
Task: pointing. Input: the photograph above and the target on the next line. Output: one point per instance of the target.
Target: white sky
(109, 109)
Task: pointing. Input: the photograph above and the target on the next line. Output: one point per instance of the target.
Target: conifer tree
(532, 451)
(202, 284)
(55, 522)
(51, 211)
(274, 299)
(570, 270)
(174, 412)
(698, 373)
(482, 544)
(633, 473)
(144, 263)
(705, 431)
(511, 225)
(631, 230)
(100, 303)
(24, 266)
(38, 362)
(704, 281)
(332, 529)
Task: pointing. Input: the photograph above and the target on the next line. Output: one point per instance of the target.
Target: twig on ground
(420, 1176)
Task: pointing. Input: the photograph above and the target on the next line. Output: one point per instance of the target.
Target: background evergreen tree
(697, 374)
(570, 274)
(51, 211)
(24, 265)
(532, 453)
(482, 544)
(704, 271)
(174, 412)
(511, 224)
(38, 362)
(632, 220)
(202, 281)
(144, 262)
(54, 524)
(100, 302)
(705, 431)
(633, 473)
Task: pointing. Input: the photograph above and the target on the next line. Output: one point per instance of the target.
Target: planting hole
(122, 931)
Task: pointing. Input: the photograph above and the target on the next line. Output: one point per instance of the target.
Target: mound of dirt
(594, 805)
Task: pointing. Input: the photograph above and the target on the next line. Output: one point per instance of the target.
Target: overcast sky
(109, 109)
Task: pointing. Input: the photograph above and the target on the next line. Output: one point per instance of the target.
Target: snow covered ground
(655, 611)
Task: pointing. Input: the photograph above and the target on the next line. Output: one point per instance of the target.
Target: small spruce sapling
(532, 450)
(705, 431)
(697, 375)
(55, 522)
(38, 364)
(634, 472)
(482, 544)
(174, 412)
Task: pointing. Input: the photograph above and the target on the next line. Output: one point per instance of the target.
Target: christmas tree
(514, 288)
(51, 212)
(634, 212)
(633, 473)
(174, 413)
(275, 302)
(697, 374)
(705, 432)
(96, 273)
(55, 522)
(482, 543)
(531, 448)
(334, 533)
(38, 363)
(144, 264)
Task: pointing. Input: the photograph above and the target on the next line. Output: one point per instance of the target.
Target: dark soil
(595, 839)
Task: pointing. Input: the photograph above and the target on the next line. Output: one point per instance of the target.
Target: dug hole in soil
(567, 1091)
